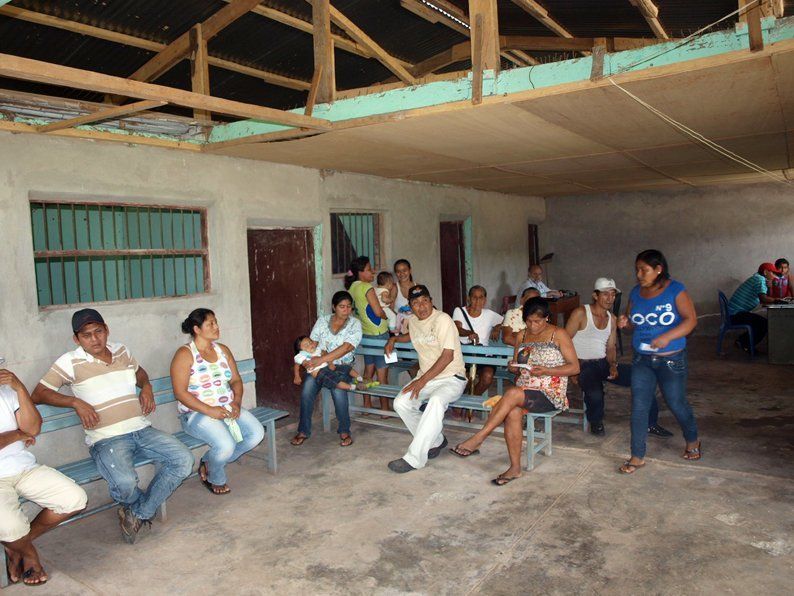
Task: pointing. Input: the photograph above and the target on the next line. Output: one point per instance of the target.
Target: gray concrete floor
(336, 521)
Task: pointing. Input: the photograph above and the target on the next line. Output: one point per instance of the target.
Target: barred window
(91, 252)
(354, 235)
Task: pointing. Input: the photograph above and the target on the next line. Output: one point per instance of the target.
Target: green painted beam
(520, 79)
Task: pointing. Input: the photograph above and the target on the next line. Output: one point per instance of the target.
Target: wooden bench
(85, 471)
(496, 354)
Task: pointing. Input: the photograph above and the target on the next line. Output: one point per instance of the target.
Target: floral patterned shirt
(329, 341)
(548, 354)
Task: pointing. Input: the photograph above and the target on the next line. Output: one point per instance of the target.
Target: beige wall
(713, 238)
(238, 194)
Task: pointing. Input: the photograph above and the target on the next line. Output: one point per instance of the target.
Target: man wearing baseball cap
(594, 332)
(440, 381)
(103, 378)
(748, 296)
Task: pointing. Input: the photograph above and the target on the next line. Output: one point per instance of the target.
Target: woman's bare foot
(632, 465)
(298, 440)
(507, 476)
(34, 573)
(14, 565)
(470, 445)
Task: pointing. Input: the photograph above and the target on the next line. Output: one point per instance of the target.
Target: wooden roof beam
(324, 83)
(651, 14)
(577, 44)
(457, 53)
(99, 115)
(145, 44)
(37, 71)
(180, 47)
(542, 15)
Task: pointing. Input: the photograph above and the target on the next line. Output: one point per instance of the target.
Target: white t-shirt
(14, 458)
(483, 324)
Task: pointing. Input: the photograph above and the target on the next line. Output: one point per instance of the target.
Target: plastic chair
(726, 325)
(616, 312)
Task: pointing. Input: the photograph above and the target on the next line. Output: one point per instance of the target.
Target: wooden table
(781, 333)
(564, 307)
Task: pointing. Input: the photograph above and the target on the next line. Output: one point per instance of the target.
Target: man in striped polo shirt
(103, 378)
(749, 295)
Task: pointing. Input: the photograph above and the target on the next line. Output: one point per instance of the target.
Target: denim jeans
(592, 374)
(669, 373)
(114, 459)
(223, 448)
(757, 323)
(309, 393)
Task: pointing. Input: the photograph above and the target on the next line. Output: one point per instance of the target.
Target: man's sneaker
(658, 431)
(434, 452)
(597, 429)
(400, 466)
(131, 525)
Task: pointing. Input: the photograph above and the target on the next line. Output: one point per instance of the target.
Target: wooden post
(485, 45)
(323, 52)
(199, 69)
(754, 28)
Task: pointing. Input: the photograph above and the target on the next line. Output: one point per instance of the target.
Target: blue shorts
(378, 361)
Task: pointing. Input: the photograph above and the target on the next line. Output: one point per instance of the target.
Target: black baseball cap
(85, 316)
(418, 291)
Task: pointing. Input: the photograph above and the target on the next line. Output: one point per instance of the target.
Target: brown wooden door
(283, 307)
(453, 265)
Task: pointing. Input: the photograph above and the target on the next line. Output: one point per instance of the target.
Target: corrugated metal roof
(262, 43)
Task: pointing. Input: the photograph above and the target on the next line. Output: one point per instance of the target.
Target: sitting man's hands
(86, 413)
(146, 398)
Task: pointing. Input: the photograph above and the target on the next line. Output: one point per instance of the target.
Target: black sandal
(693, 454)
(29, 572)
(298, 440)
(211, 487)
(463, 452)
(345, 441)
(502, 480)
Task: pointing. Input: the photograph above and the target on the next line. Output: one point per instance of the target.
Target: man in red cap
(754, 291)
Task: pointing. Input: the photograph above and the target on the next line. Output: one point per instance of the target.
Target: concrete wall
(238, 194)
(713, 238)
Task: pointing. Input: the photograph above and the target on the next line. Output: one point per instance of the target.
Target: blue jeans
(378, 361)
(223, 448)
(309, 393)
(670, 373)
(114, 459)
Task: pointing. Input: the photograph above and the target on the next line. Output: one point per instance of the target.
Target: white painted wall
(238, 194)
(713, 238)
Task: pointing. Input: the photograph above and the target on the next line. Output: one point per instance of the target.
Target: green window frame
(101, 252)
(355, 234)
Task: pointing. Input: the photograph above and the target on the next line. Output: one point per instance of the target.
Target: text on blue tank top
(651, 317)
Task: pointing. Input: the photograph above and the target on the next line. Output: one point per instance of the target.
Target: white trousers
(426, 426)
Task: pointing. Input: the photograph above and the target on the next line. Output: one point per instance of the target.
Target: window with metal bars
(354, 235)
(92, 252)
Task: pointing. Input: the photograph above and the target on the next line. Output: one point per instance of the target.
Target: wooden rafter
(37, 71)
(485, 30)
(542, 15)
(324, 82)
(561, 44)
(145, 44)
(199, 69)
(179, 48)
(650, 12)
(99, 115)
(356, 33)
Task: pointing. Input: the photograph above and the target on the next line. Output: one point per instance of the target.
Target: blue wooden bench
(496, 354)
(85, 471)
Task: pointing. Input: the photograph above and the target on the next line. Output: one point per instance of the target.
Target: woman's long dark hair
(340, 296)
(195, 319)
(404, 262)
(536, 306)
(357, 265)
(655, 259)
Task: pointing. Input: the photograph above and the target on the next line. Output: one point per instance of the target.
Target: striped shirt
(109, 388)
(745, 298)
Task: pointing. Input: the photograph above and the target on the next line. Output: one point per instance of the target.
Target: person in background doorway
(385, 293)
(781, 287)
(20, 476)
(513, 323)
(405, 281)
(544, 358)
(103, 377)
(661, 314)
(440, 380)
(338, 335)
(535, 280)
(374, 324)
(209, 390)
(478, 325)
(593, 329)
(753, 292)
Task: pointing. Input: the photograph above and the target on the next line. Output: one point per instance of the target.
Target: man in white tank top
(593, 330)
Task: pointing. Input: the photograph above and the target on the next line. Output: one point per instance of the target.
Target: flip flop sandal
(346, 441)
(693, 454)
(298, 440)
(210, 487)
(502, 480)
(624, 469)
(27, 574)
(462, 451)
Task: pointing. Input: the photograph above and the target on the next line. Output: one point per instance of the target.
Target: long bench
(84, 471)
(496, 354)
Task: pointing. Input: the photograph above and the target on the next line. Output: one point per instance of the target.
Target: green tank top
(371, 324)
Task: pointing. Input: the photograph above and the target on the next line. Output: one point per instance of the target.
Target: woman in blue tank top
(661, 314)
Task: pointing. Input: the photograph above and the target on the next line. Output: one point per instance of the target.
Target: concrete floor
(336, 521)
